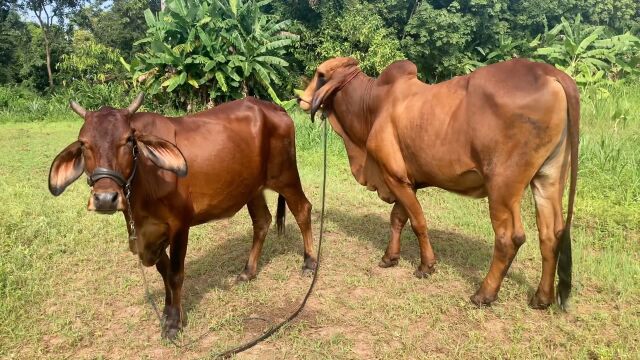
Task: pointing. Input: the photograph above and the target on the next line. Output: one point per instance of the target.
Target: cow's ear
(162, 153)
(324, 88)
(66, 168)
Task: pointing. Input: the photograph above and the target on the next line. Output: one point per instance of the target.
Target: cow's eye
(130, 140)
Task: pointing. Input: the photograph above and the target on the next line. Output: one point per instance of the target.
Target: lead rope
(249, 344)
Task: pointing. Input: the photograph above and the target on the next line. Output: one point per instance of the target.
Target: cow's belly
(469, 182)
(219, 205)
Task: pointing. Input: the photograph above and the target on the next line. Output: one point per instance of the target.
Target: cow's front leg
(178, 250)
(163, 266)
(406, 195)
(398, 220)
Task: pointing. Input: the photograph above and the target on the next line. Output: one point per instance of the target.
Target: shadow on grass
(468, 256)
(217, 268)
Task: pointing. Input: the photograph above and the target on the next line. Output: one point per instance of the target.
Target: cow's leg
(504, 209)
(178, 250)
(163, 268)
(547, 188)
(261, 218)
(283, 178)
(398, 220)
(301, 209)
(407, 197)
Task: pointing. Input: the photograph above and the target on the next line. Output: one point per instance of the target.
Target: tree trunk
(47, 49)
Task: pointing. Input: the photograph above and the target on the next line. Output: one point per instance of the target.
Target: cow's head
(330, 76)
(105, 150)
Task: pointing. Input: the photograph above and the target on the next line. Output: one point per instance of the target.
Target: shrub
(213, 50)
(90, 61)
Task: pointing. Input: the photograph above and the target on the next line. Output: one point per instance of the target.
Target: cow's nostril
(106, 200)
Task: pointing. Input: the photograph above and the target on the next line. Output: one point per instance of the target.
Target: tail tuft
(280, 215)
(565, 263)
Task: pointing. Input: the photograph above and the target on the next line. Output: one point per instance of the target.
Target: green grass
(70, 288)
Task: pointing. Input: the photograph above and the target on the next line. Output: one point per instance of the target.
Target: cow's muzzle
(107, 202)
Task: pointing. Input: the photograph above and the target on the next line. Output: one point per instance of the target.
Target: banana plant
(585, 52)
(212, 50)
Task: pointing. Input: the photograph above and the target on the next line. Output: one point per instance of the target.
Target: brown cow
(490, 133)
(233, 152)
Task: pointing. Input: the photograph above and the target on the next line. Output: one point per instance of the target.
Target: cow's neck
(352, 109)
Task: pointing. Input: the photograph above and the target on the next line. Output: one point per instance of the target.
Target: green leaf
(272, 60)
(221, 81)
(193, 83)
(234, 6)
(149, 18)
(124, 63)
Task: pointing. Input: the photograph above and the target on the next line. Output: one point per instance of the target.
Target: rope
(272, 330)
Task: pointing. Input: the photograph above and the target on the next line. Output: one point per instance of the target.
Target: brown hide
(189, 170)
(490, 133)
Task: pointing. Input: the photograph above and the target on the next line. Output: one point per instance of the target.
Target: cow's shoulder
(398, 70)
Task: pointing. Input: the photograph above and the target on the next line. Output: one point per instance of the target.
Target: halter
(101, 173)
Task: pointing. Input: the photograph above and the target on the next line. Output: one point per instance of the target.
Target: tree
(213, 50)
(48, 11)
(10, 29)
(118, 25)
(90, 61)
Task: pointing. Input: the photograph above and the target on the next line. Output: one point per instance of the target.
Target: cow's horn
(137, 102)
(78, 109)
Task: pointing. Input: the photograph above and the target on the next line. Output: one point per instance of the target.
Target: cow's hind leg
(289, 186)
(261, 218)
(398, 220)
(547, 188)
(504, 208)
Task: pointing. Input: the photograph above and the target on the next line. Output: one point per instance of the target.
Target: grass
(70, 288)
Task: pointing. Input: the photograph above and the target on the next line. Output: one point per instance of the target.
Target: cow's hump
(397, 70)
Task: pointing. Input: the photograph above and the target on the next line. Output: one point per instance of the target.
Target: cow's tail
(280, 214)
(564, 256)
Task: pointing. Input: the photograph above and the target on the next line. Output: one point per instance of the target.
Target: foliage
(47, 12)
(118, 26)
(218, 50)
(587, 53)
(90, 61)
(10, 30)
(31, 56)
(436, 40)
(357, 31)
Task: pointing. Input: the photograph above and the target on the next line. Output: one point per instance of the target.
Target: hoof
(170, 333)
(424, 271)
(538, 302)
(309, 266)
(172, 325)
(244, 277)
(482, 300)
(387, 263)
(308, 272)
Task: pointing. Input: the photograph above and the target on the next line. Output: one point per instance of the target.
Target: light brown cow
(185, 171)
(490, 133)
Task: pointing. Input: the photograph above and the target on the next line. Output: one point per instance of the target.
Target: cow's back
(227, 150)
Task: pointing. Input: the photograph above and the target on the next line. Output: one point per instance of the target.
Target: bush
(213, 50)
(587, 53)
(90, 61)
